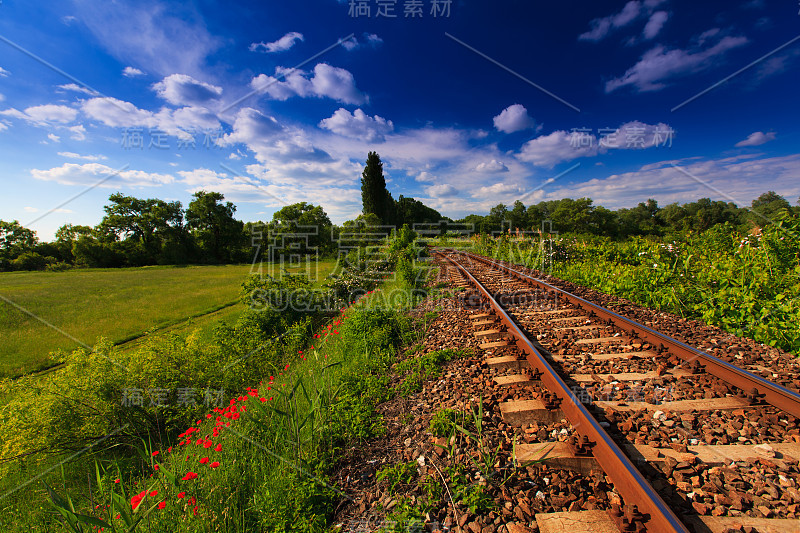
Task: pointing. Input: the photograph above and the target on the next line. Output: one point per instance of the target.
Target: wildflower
(214, 464)
(204, 460)
(116, 481)
(154, 493)
(181, 495)
(137, 499)
(162, 505)
(169, 449)
(189, 475)
(154, 453)
(155, 467)
(191, 501)
(219, 446)
(208, 444)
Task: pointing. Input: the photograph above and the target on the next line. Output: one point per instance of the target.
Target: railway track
(689, 441)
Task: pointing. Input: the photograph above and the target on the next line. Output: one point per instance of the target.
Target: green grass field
(119, 304)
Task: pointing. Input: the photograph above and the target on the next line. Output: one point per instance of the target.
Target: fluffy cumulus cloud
(132, 72)
(491, 167)
(44, 114)
(91, 173)
(180, 89)
(281, 45)
(425, 177)
(358, 125)
(549, 150)
(513, 118)
(325, 82)
(757, 138)
(559, 146)
(659, 65)
(497, 190)
(178, 122)
(443, 190)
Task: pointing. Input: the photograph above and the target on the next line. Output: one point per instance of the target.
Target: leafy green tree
(411, 211)
(767, 207)
(518, 217)
(148, 223)
(15, 240)
(310, 222)
(218, 235)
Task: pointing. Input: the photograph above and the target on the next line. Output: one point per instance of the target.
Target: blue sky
(491, 102)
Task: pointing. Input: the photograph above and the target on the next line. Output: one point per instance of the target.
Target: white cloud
(168, 37)
(53, 137)
(281, 45)
(74, 87)
(425, 177)
(68, 19)
(3, 125)
(120, 114)
(443, 190)
(369, 39)
(654, 25)
(73, 155)
(491, 167)
(29, 209)
(326, 82)
(549, 150)
(513, 118)
(180, 89)
(91, 173)
(44, 114)
(757, 138)
(132, 72)
(78, 132)
(601, 27)
(373, 39)
(358, 125)
(3, 72)
(350, 44)
(658, 65)
(498, 189)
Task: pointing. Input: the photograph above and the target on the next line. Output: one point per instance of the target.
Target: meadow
(119, 304)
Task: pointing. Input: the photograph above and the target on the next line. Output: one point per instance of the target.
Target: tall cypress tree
(374, 196)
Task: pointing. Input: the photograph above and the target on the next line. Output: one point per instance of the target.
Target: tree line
(648, 218)
(139, 232)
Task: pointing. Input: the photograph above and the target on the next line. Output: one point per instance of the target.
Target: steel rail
(628, 481)
(752, 384)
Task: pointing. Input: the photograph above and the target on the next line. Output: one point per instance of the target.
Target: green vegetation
(289, 394)
(747, 283)
(118, 304)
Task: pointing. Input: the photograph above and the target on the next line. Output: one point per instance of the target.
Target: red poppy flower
(219, 446)
(214, 464)
(181, 495)
(155, 467)
(204, 460)
(169, 449)
(116, 481)
(191, 501)
(208, 444)
(154, 453)
(188, 476)
(154, 493)
(137, 499)
(162, 505)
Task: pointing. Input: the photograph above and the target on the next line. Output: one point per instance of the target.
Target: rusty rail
(753, 385)
(628, 481)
